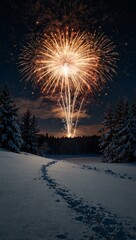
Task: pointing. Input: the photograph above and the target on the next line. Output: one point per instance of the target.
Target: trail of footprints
(109, 172)
(105, 225)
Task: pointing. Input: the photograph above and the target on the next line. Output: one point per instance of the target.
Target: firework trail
(71, 63)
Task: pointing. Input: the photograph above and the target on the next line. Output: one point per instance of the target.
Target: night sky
(21, 20)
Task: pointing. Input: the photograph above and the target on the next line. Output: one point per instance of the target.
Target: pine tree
(119, 119)
(35, 130)
(29, 133)
(10, 134)
(107, 136)
(127, 137)
(44, 148)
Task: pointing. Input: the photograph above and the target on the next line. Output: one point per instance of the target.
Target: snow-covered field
(74, 199)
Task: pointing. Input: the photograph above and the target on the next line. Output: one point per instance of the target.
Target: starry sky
(23, 19)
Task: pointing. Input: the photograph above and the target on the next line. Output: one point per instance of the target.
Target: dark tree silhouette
(10, 134)
(29, 133)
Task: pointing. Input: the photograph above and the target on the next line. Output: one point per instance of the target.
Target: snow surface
(49, 199)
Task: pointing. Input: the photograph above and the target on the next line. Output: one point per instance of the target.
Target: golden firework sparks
(69, 62)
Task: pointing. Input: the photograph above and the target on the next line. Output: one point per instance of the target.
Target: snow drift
(42, 198)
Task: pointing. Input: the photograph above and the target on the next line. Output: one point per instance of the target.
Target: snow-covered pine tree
(127, 136)
(29, 133)
(10, 134)
(107, 136)
(119, 120)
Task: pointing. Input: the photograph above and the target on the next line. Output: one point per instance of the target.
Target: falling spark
(67, 104)
(71, 63)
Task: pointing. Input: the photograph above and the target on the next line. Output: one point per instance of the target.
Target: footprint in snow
(61, 236)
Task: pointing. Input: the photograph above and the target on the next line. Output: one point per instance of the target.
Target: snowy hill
(45, 199)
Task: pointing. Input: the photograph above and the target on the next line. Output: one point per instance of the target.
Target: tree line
(64, 145)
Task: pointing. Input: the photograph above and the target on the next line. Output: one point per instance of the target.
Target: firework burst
(71, 63)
